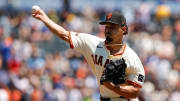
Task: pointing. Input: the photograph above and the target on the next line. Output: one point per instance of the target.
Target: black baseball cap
(114, 18)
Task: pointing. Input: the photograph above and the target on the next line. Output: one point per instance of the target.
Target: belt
(108, 99)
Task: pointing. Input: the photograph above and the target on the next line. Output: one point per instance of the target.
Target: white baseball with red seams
(35, 8)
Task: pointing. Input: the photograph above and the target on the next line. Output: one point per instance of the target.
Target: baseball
(35, 8)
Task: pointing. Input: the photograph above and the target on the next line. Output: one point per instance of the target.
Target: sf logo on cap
(109, 16)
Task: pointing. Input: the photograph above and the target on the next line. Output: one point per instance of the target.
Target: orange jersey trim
(134, 83)
(124, 47)
(70, 40)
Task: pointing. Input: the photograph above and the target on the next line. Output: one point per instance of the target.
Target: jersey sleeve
(135, 71)
(83, 42)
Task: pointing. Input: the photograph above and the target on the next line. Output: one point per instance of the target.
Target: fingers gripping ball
(114, 72)
(35, 8)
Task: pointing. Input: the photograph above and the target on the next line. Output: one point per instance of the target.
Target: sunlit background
(37, 66)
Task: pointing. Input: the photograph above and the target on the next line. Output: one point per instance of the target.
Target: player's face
(113, 33)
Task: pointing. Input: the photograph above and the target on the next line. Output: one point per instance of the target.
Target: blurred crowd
(33, 68)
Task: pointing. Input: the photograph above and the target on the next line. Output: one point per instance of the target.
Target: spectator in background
(4, 93)
(14, 62)
(60, 64)
(6, 46)
(36, 63)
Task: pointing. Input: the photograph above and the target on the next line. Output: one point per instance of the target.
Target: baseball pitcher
(117, 67)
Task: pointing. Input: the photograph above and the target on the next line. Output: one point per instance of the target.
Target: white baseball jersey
(97, 55)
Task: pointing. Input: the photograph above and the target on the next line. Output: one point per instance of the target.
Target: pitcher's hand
(39, 14)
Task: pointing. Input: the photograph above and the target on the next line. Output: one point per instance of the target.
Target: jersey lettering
(107, 61)
(98, 60)
(94, 58)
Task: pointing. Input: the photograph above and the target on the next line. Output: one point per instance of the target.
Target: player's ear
(125, 29)
(122, 30)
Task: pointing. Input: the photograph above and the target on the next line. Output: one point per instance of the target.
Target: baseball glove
(114, 72)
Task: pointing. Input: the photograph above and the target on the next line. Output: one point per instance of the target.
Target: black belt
(108, 99)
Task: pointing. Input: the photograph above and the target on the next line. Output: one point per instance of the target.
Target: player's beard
(109, 39)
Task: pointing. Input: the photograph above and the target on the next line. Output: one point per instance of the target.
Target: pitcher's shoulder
(132, 59)
(129, 52)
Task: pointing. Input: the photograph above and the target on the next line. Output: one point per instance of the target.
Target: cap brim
(107, 22)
